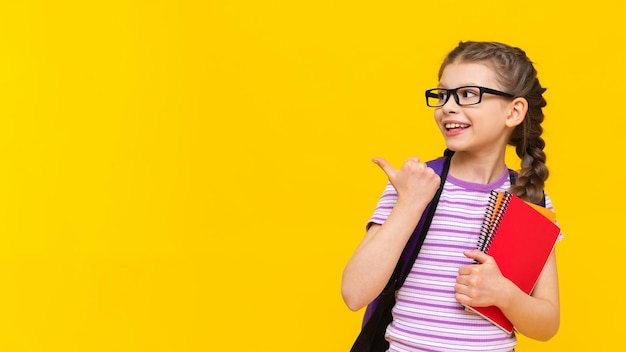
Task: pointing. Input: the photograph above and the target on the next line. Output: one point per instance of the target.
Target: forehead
(459, 74)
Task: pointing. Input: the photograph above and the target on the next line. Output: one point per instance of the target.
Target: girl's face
(474, 128)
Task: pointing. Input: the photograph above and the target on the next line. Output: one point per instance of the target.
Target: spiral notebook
(520, 236)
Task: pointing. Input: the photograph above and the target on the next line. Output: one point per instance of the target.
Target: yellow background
(193, 176)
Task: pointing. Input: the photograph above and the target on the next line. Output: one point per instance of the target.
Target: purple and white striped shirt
(426, 316)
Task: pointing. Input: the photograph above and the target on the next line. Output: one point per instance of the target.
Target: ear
(517, 112)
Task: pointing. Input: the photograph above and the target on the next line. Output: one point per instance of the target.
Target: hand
(480, 285)
(414, 181)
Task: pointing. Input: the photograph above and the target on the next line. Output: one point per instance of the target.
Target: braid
(517, 75)
(529, 148)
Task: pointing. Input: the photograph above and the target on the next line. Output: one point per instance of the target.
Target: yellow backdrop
(193, 176)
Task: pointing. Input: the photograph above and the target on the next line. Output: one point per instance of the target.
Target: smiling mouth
(455, 126)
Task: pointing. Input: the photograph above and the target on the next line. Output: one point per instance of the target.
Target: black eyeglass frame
(452, 92)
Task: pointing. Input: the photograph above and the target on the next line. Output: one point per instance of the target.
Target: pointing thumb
(385, 166)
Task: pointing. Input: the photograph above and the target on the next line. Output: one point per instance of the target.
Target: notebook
(520, 236)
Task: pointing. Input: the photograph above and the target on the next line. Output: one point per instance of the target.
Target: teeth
(455, 125)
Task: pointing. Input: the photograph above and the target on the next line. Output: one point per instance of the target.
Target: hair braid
(529, 147)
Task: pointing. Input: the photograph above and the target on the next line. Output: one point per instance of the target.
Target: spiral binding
(493, 214)
(487, 221)
(496, 224)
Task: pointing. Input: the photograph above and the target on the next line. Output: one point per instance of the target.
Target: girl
(488, 96)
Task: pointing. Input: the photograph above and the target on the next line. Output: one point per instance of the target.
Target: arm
(536, 316)
(375, 258)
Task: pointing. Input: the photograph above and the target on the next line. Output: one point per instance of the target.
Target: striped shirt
(426, 316)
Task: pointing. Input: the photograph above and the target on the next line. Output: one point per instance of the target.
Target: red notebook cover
(520, 239)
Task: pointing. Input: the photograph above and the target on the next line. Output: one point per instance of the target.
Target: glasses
(466, 95)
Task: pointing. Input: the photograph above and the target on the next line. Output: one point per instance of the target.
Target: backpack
(378, 313)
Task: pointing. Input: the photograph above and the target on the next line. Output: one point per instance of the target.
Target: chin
(454, 148)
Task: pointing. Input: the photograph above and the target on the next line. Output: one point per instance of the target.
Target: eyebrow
(462, 85)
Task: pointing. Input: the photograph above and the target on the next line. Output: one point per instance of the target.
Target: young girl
(488, 96)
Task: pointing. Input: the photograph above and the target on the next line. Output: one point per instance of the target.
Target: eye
(468, 92)
(441, 94)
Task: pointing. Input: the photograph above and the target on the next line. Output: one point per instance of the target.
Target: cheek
(438, 118)
(438, 115)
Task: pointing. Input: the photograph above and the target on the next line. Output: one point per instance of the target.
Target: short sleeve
(385, 204)
(550, 206)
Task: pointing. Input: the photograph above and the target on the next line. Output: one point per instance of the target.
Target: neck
(477, 169)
